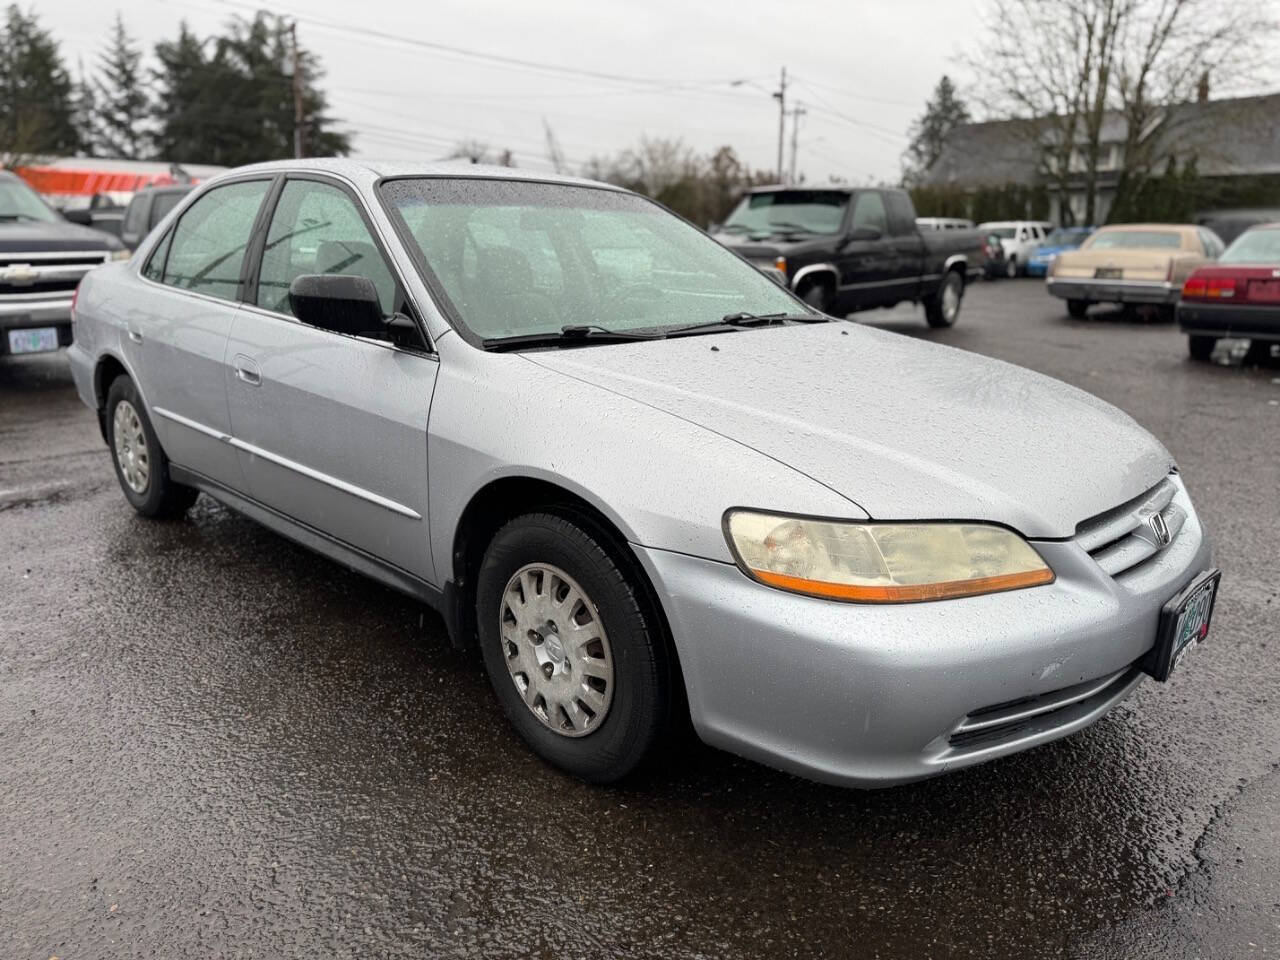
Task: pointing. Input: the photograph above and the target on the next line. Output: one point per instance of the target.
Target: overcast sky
(862, 69)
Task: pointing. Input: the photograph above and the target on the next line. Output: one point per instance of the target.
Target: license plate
(1108, 273)
(1184, 622)
(37, 340)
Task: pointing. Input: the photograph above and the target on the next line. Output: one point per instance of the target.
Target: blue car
(1060, 241)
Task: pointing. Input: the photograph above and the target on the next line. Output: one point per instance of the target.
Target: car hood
(904, 428)
(25, 236)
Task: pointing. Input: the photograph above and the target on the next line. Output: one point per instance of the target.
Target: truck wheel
(1011, 268)
(942, 309)
(141, 466)
(577, 661)
(818, 297)
(1201, 348)
(1078, 308)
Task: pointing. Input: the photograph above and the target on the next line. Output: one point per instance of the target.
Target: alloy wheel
(556, 649)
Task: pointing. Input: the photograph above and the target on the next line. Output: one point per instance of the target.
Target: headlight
(882, 562)
(120, 254)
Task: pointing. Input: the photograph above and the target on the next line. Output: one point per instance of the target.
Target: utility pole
(297, 93)
(797, 112)
(781, 96)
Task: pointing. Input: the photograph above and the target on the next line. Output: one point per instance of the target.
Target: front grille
(31, 276)
(1002, 722)
(63, 285)
(1122, 539)
(52, 259)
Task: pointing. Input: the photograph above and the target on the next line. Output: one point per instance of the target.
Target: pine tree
(84, 111)
(122, 102)
(943, 113)
(184, 97)
(36, 103)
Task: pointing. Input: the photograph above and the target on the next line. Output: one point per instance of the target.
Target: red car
(1239, 296)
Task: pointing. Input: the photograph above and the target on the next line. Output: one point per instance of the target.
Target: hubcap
(556, 649)
(950, 299)
(131, 447)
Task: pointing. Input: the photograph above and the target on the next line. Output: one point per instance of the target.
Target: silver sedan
(638, 474)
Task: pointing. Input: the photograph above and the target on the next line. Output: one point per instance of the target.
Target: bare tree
(477, 151)
(1067, 66)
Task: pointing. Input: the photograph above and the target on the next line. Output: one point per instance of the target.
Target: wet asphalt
(216, 744)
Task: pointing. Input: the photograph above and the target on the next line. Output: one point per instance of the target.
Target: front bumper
(24, 314)
(870, 696)
(1114, 291)
(1256, 321)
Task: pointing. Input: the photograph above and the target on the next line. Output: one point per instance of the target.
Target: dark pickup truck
(846, 249)
(42, 258)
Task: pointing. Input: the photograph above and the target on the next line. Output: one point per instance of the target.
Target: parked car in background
(844, 249)
(943, 223)
(1140, 264)
(1229, 224)
(993, 250)
(641, 476)
(1239, 296)
(147, 208)
(1019, 238)
(1059, 241)
(43, 256)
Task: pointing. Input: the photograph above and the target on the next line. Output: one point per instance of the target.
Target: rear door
(332, 429)
(180, 321)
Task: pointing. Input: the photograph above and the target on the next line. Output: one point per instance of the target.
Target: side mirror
(84, 216)
(343, 304)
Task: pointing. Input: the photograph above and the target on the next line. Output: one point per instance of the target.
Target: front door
(866, 259)
(331, 429)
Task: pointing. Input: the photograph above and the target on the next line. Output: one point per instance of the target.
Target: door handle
(247, 370)
(135, 335)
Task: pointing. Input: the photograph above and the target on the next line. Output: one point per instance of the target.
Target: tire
(141, 466)
(1011, 268)
(624, 659)
(1078, 308)
(818, 296)
(1201, 348)
(942, 309)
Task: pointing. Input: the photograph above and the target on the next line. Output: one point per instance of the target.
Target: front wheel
(141, 465)
(577, 661)
(1011, 268)
(943, 308)
(1078, 308)
(818, 297)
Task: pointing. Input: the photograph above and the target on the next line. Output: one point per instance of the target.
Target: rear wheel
(1011, 268)
(575, 657)
(141, 466)
(1201, 348)
(942, 309)
(1078, 308)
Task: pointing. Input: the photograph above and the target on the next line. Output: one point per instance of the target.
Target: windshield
(1254, 246)
(1135, 240)
(1065, 238)
(1004, 233)
(808, 211)
(20, 202)
(519, 258)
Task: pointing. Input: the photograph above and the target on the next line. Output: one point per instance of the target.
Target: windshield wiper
(731, 321)
(567, 335)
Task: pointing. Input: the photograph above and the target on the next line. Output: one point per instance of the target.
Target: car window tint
(208, 245)
(317, 229)
(868, 211)
(135, 217)
(154, 269)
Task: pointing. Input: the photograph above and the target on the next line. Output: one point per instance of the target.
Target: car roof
(1169, 227)
(365, 170)
(806, 188)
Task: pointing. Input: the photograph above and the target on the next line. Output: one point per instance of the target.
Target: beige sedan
(1132, 263)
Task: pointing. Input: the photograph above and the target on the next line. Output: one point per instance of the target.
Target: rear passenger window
(207, 249)
(316, 228)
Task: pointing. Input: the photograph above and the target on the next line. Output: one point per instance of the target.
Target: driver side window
(869, 212)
